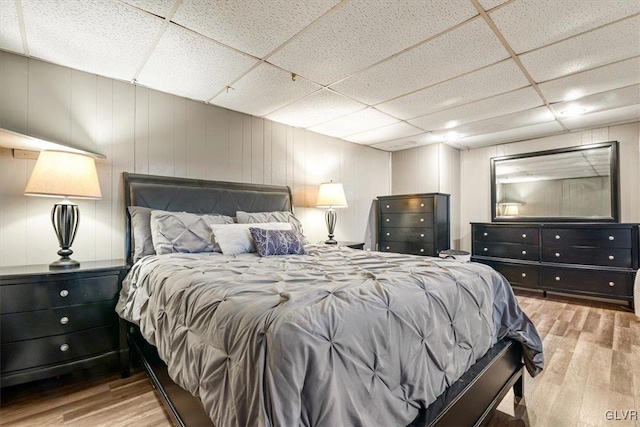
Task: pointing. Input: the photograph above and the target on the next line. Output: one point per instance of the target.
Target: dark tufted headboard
(199, 196)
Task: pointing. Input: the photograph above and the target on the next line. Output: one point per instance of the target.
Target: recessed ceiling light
(572, 112)
(573, 94)
(451, 136)
(451, 124)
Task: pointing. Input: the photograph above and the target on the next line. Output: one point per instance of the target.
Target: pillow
(267, 217)
(277, 242)
(183, 232)
(141, 229)
(236, 239)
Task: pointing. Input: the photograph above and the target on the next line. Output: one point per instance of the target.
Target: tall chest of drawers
(56, 322)
(589, 259)
(415, 224)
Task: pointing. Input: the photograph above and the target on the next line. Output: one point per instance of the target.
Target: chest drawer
(407, 248)
(413, 235)
(57, 293)
(598, 282)
(517, 274)
(524, 235)
(407, 220)
(41, 323)
(418, 204)
(610, 257)
(506, 250)
(597, 237)
(58, 348)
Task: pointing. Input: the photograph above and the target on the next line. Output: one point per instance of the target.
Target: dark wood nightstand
(352, 245)
(56, 322)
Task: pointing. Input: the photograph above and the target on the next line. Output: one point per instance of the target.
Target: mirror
(569, 184)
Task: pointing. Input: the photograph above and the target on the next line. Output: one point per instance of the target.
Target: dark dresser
(415, 224)
(596, 259)
(56, 322)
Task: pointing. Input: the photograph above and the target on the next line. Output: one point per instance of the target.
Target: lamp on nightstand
(64, 174)
(331, 196)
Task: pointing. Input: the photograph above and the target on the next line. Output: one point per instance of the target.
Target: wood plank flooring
(592, 355)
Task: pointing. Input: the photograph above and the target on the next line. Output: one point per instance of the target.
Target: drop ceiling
(386, 73)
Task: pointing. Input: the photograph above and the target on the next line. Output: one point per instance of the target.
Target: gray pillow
(276, 216)
(141, 228)
(184, 232)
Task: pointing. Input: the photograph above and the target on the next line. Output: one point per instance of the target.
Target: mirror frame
(614, 180)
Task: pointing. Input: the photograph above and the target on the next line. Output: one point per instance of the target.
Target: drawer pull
(64, 293)
(557, 237)
(557, 254)
(485, 234)
(64, 320)
(485, 249)
(524, 236)
(421, 234)
(421, 250)
(64, 347)
(421, 219)
(387, 247)
(612, 284)
(612, 238)
(388, 234)
(524, 274)
(387, 219)
(524, 252)
(387, 206)
(557, 278)
(422, 205)
(611, 257)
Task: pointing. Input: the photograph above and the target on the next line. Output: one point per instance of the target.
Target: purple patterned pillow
(277, 242)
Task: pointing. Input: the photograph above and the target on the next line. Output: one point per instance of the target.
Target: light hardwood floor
(592, 356)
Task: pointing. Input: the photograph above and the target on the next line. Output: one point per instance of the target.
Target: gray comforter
(338, 337)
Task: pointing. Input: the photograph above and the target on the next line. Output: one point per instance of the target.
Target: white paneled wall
(476, 180)
(431, 168)
(145, 131)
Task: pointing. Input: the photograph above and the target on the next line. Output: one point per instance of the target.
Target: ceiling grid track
(23, 28)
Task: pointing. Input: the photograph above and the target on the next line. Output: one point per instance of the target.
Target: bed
(334, 337)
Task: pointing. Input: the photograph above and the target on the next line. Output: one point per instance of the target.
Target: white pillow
(235, 239)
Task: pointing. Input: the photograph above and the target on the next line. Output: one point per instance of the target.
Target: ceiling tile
(495, 79)
(490, 4)
(511, 135)
(406, 143)
(609, 44)
(597, 80)
(319, 107)
(499, 105)
(617, 98)
(363, 32)
(10, 38)
(157, 7)
(360, 121)
(107, 38)
(263, 90)
(529, 117)
(464, 49)
(529, 24)
(255, 27)
(617, 115)
(386, 133)
(190, 65)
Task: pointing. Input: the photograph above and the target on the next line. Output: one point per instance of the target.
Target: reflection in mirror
(573, 183)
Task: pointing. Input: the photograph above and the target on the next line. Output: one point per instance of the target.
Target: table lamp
(64, 174)
(331, 196)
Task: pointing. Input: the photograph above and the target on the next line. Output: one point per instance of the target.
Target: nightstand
(352, 245)
(56, 322)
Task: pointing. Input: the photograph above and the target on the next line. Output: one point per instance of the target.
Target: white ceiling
(386, 73)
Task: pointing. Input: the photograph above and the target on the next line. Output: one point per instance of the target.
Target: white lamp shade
(59, 173)
(511, 210)
(331, 195)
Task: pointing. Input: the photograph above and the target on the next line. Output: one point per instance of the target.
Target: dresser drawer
(524, 235)
(593, 281)
(58, 348)
(418, 204)
(517, 274)
(407, 220)
(611, 257)
(57, 293)
(41, 323)
(407, 248)
(597, 237)
(506, 250)
(413, 235)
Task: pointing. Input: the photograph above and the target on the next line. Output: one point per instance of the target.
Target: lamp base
(65, 217)
(331, 241)
(63, 264)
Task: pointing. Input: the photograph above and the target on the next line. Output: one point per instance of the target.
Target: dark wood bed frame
(467, 402)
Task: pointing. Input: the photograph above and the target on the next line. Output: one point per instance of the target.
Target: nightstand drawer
(59, 348)
(407, 248)
(413, 235)
(57, 293)
(62, 320)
